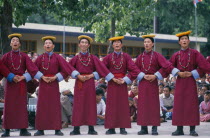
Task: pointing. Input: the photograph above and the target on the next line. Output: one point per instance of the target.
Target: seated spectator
(101, 107)
(134, 91)
(205, 108)
(161, 85)
(66, 106)
(204, 88)
(133, 110)
(103, 87)
(167, 102)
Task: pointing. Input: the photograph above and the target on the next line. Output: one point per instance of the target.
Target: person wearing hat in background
(154, 67)
(15, 108)
(117, 109)
(205, 108)
(84, 109)
(53, 69)
(190, 66)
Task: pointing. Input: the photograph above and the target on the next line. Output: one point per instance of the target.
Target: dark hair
(102, 86)
(86, 39)
(51, 40)
(182, 36)
(16, 37)
(169, 88)
(205, 86)
(99, 91)
(151, 38)
(161, 84)
(117, 40)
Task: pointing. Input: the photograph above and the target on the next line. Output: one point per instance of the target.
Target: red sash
(119, 75)
(80, 83)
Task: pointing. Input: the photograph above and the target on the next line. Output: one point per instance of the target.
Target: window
(28, 46)
(70, 48)
(133, 51)
(167, 53)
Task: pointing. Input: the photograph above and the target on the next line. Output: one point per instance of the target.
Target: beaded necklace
(188, 61)
(84, 62)
(13, 66)
(150, 63)
(121, 61)
(48, 64)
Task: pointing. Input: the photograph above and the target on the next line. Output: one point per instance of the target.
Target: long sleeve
(102, 69)
(132, 69)
(166, 67)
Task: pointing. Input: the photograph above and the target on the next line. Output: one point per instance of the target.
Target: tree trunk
(6, 26)
(110, 48)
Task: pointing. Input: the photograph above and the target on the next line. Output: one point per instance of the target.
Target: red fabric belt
(49, 75)
(119, 75)
(80, 83)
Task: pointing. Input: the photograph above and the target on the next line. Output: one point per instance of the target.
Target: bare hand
(121, 81)
(87, 77)
(181, 74)
(81, 78)
(16, 79)
(46, 79)
(188, 74)
(51, 79)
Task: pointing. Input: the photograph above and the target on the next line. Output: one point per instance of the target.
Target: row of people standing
(119, 70)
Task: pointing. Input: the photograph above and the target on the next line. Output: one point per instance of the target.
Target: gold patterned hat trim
(116, 38)
(48, 37)
(86, 37)
(183, 33)
(14, 35)
(150, 36)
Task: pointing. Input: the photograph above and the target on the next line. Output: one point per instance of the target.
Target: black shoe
(154, 130)
(39, 133)
(144, 130)
(123, 131)
(193, 133)
(6, 133)
(24, 132)
(110, 131)
(58, 133)
(92, 131)
(76, 131)
(179, 131)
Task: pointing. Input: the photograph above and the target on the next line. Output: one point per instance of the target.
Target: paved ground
(164, 130)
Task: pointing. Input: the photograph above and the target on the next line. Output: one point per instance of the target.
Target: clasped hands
(49, 79)
(17, 78)
(118, 81)
(185, 74)
(84, 78)
(150, 78)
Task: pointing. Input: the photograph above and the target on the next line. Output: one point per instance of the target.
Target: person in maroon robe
(190, 65)
(53, 68)
(84, 109)
(117, 106)
(15, 108)
(153, 66)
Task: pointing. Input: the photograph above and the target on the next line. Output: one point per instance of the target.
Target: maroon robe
(148, 110)
(186, 110)
(117, 105)
(48, 114)
(84, 108)
(4, 72)
(15, 107)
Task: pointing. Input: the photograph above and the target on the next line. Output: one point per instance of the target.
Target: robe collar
(49, 53)
(118, 53)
